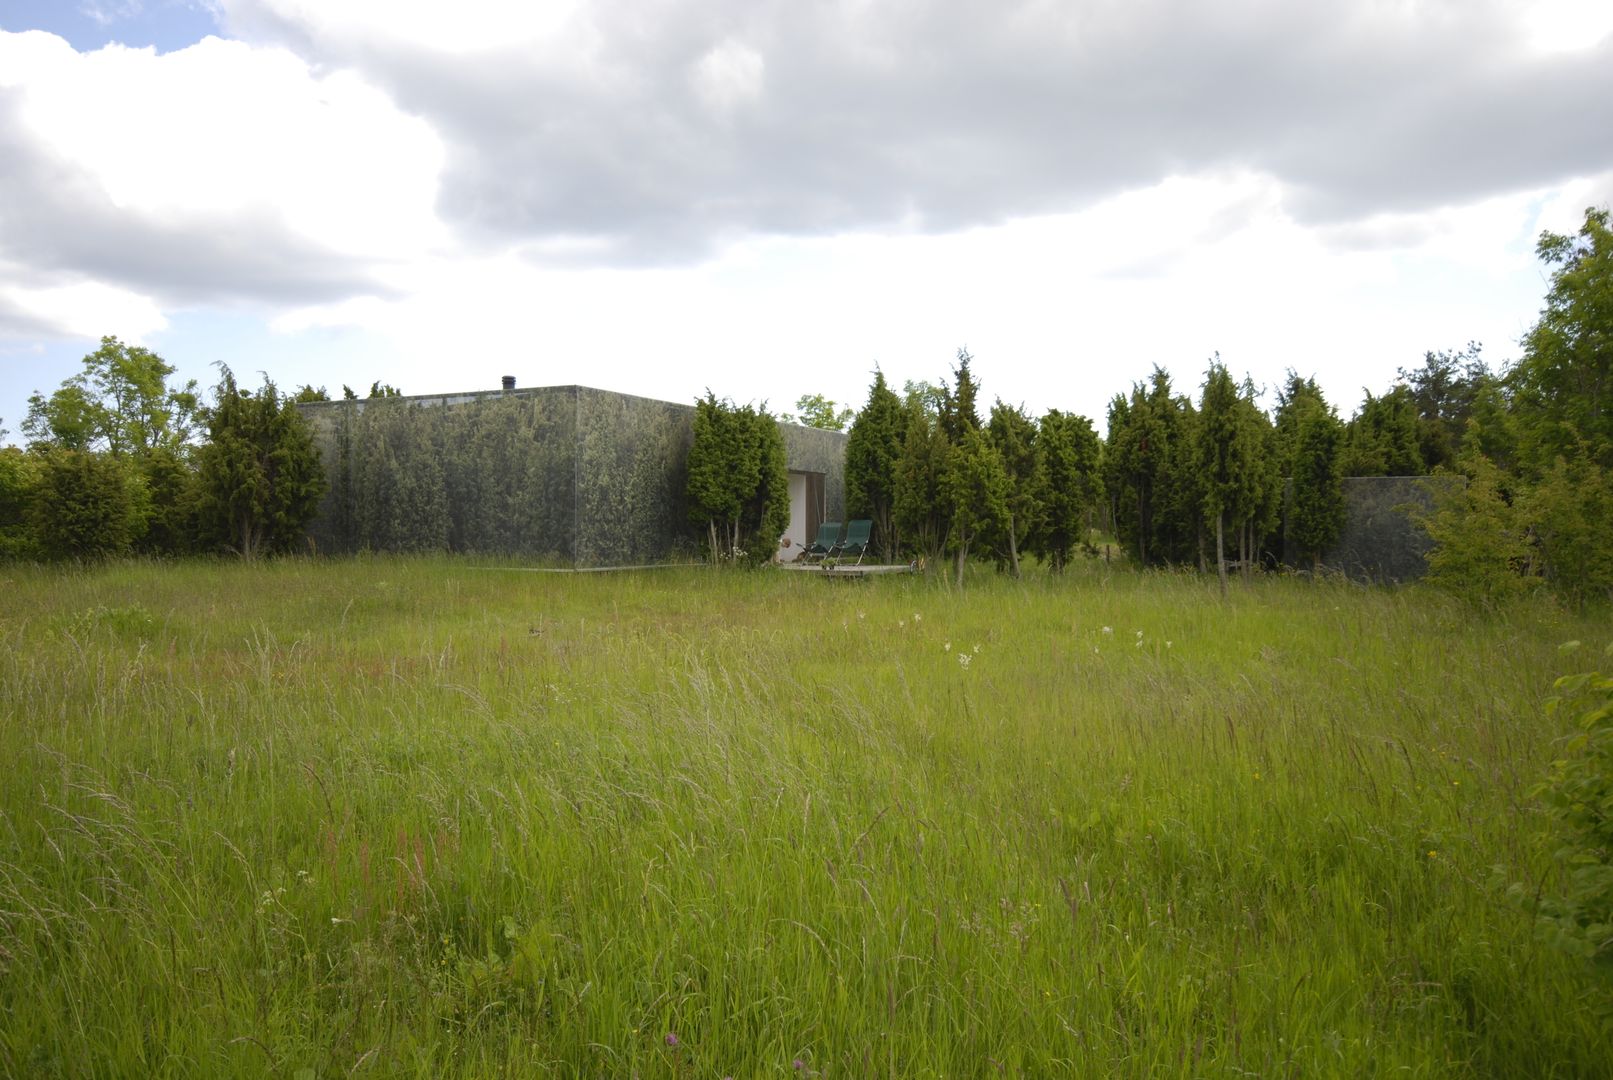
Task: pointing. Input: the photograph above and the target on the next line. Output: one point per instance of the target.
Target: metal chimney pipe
(509, 382)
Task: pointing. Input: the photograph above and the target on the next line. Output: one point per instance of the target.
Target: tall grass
(418, 817)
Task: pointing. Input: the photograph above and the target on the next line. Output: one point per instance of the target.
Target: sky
(768, 198)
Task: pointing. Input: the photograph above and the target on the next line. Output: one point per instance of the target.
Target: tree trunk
(1220, 549)
(1013, 549)
(963, 555)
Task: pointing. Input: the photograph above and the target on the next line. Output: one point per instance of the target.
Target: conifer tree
(1318, 511)
(259, 474)
(1013, 435)
(1072, 485)
(975, 487)
(872, 450)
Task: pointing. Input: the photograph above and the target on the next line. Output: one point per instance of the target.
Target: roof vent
(509, 382)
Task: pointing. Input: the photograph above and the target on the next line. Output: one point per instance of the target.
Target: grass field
(392, 817)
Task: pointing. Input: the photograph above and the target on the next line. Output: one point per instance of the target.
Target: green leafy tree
(380, 389)
(310, 393)
(975, 487)
(738, 484)
(1072, 485)
(873, 448)
(1569, 512)
(1221, 457)
(259, 477)
(1563, 385)
(1383, 437)
(120, 402)
(1013, 435)
(815, 410)
(1481, 551)
(1318, 508)
(85, 505)
(1443, 390)
(958, 414)
(918, 501)
(19, 486)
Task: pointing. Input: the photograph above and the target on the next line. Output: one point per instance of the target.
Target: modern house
(564, 474)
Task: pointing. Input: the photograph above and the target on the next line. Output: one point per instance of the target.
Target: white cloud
(86, 309)
(729, 76)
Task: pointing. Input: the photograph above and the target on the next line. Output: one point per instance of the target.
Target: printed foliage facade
(564, 474)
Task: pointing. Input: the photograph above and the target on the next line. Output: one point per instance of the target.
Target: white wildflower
(1108, 629)
(963, 659)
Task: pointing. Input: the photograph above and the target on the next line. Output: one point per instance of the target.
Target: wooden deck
(847, 570)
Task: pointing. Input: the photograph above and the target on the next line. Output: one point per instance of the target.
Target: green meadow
(393, 817)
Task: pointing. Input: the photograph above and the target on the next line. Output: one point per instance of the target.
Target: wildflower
(1433, 854)
(901, 624)
(1108, 629)
(977, 646)
(1257, 774)
(797, 1064)
(1167, 644)
(671, 1039)
(1139, 634)
(946, 646)
(861, 615)
(963, 659)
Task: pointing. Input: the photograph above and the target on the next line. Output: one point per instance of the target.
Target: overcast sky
(768, 197)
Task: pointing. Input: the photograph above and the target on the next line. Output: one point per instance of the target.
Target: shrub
(86, 505)
(1579, 800)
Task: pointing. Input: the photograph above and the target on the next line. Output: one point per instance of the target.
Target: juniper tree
(259, 475)
(1013, 435)
(1072, 485)
(873, 448)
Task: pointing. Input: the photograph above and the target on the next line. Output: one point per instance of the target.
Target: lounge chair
(828, 539)
(855, 543)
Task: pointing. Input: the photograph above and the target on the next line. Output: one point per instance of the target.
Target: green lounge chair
(855, 543)
(828, 539)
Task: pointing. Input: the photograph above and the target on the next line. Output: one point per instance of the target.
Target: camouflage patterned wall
(567, 474)
(1380, 542)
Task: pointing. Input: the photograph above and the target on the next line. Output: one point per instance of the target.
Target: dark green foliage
(918, 506)
(259, 475)
(1013, 435)
(1072, 487)
(310, 393)
(975, 491)
(1316, 515)
(84, 506)
(1223, 455)
(380, 389)
(872, 450)
(1563, 386)
(168, 502)
(19, 484)
(1384, 438)
(1443, 391)
(958, 414)
(815, 410)
(1577, 914)
(1151, 473)
(738, 484)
